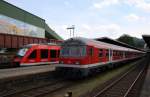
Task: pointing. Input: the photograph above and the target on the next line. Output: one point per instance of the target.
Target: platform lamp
(71, 29)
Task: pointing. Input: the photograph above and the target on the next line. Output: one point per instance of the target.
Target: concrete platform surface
(20, 71)
(146, 86)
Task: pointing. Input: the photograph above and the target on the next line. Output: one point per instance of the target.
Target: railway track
(42, 90)
(58, 85)
(125, 85)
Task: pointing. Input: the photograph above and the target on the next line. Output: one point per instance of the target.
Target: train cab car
(80, 56)
(37, 54)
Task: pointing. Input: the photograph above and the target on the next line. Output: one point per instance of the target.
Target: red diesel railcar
(81, 56)
(37, 54)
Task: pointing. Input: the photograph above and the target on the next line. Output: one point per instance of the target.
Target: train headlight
(77, 63)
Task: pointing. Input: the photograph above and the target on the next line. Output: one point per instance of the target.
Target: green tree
(126, 39)
(133, 41)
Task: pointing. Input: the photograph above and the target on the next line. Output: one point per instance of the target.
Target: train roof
(115, 42)
(48, 44)
(95, 43)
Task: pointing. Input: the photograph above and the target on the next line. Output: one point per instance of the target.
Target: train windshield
(22, 52)
(73, 51)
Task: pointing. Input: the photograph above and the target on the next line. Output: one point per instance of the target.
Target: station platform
(23, 71)
(14, 79)
(146, 86)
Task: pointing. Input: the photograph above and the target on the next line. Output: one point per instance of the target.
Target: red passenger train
(81, 56)
(36, 54)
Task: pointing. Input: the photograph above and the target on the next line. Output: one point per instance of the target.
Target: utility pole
(71, 30)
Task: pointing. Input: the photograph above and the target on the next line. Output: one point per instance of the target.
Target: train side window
(33, 54)
(114, 53)
(126, 54)
(117, 53)
(100, 52)
(91, 52)
(107, 53)
(53, 53)
(58, 54)
(44, 53)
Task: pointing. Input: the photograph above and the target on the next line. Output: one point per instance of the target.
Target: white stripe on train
(91, 65)
(38, 63)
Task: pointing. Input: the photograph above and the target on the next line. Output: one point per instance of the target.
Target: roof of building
(51, 32)
(22, 15)
(147, 39)
(115, 42)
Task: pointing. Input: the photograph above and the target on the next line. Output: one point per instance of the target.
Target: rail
(124, 84)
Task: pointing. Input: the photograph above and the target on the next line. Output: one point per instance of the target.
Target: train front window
(33, 54)
(73, 51)
(22, 52)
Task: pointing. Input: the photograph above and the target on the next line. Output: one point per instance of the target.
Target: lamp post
(71, 30)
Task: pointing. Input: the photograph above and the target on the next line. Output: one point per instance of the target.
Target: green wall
(17, 13)
(20, 14)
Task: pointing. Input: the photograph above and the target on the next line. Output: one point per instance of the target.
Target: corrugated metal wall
(14, 41)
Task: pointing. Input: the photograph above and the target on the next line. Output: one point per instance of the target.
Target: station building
(147, 41)
(16, 21)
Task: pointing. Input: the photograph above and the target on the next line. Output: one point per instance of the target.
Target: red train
(81, 56)
(36, 54)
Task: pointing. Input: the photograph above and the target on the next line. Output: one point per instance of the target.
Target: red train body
(36, 54)
(81, 56)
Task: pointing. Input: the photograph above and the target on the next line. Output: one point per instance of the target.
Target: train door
(110, 55)
(58, 53)
(101, 55)
(53, 55)
(44, 55)
(107, 55)
(123, 55)
(91, 53)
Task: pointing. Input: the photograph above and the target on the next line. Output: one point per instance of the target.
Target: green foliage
(133, 41)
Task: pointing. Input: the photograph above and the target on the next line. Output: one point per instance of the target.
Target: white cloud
(85, 26)
(105, 3)
(92, 31)
(89, 30)
(95, 31)
(110, 28)
(132, 17)
(141, 4)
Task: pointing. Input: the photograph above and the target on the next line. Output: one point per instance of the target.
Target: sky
(92, 18)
